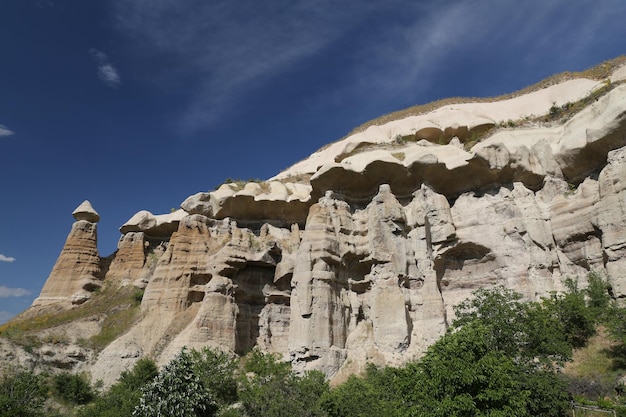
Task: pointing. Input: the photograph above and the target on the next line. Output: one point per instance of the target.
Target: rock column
(76, 273)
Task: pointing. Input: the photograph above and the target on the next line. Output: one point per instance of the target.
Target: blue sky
(137, 104)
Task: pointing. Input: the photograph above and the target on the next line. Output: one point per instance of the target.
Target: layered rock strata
(76, 273)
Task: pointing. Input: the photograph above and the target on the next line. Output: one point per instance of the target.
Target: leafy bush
(526, 331)
(271, 389)
(374, 395)
(176, 392)
(571, 310)
(265, 365)
(72, 389)
(463, 375)
(598, 294)
(23, 394)
(138, 296)
(144, 371)
(123, 397)
(218, 373)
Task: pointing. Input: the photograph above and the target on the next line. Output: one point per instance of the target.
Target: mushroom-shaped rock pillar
(76, 273)
(86, 212)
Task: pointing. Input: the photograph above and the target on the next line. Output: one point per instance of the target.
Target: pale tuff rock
(129, 261)
(358, 292)
(573, 225)
(86, 212)
(162, 225)
(453, 119)
(76, 273)
(528, 155)
(610, 219)
(215, 285)
(366, 263)
(273, 202)
(589, 136)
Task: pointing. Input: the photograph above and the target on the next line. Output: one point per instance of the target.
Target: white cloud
(109, 75)
(4, 131)
(6, 258)
(6, 292)
(106, 71)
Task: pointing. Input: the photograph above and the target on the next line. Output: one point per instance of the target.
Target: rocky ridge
(358, 253)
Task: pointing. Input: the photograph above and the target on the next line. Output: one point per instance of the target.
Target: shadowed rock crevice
(253, 287)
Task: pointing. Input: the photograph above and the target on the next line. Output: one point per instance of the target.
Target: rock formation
(397, 224)
(76, 274)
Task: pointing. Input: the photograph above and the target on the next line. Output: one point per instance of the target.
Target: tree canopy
(502, 356)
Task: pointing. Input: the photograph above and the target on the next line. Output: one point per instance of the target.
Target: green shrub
(72, 389)
(271, 389)
(218, 373)
(176, 392)
(22, 394)
(137, 296)
(122, 398)
(373, 395)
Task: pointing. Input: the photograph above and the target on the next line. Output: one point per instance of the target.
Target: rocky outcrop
(162, 225)
(85, 211)
(129, 261)
(609, 217)
(571, 151)
(275, 203)
(76, 273)
(365, 262)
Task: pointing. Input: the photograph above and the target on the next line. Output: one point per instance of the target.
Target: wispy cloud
(106, 71)
(221, 51)
(464, 37)
(228, 48)
(6, 258)
(6, 292)
(4, 131)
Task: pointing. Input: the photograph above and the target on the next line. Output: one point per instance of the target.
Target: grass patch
(304, 178)
(240, 184)
(596, 358)
(568, 110)
(118, 306)
(399, 155)
(594, 370)
(115, 324)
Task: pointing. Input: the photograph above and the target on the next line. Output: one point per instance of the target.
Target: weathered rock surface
(129, 261)
(76, 273)
(86, 212)
(365, 262)
(162, 225)
(610, 219)
(278, 203)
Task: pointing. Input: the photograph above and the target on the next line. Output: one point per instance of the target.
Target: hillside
(358, 253)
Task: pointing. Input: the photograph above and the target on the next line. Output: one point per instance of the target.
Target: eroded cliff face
(365, 262)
